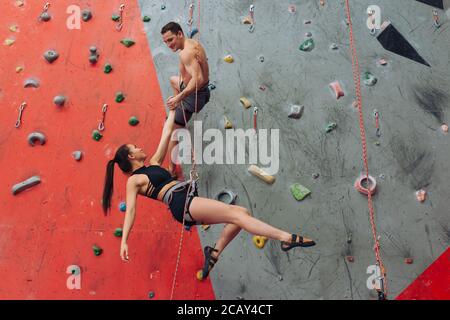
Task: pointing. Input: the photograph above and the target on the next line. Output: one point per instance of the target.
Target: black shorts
(177, 203)
(188, 104)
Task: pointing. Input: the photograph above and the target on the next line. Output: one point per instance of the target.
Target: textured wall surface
(412, 100)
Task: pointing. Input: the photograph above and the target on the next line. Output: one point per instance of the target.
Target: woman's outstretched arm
(132, 190)
(160, 154)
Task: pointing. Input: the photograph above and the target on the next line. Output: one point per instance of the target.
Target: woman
(155, 182)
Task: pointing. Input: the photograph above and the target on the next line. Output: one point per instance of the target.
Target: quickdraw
(101, 125)
(120, 21)
(377, 123)
(252, 17)
(22, 106)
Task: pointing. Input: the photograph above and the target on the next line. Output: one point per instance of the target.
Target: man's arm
(193, 68)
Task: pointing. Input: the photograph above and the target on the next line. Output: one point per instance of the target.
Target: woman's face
(136, 153)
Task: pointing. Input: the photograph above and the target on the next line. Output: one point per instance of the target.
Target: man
(194, 74)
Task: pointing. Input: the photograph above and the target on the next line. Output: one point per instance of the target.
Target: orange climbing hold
(337, 89)
(421, 195)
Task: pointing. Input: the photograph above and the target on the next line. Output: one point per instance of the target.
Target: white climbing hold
(296, 112)
(77, 155)
(21, 186)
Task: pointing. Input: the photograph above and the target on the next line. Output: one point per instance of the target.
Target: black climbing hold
(108, 68)
(59, 101)
(151, 294)
(51, 55)
(434, 3)
(19, 187)
(163, 7)
(211, 86)
(97, 250)
(45, 16)
(392, 40)
(86, 15)
(315, 175)
(36, 136)
(93, 57)
(146, 19)
(31, 83)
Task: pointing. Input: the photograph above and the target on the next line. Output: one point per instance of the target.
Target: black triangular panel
(435, 3)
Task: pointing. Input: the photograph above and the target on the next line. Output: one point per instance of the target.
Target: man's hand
(173, 102)
(124, 252)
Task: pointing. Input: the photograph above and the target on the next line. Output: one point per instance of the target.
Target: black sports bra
(158, 177)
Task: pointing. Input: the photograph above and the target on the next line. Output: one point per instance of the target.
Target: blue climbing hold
(193, 33)
(123, 206)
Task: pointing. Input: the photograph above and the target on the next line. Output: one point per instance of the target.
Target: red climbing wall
(45, 229)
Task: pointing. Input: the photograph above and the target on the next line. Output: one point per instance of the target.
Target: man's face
(172, 40)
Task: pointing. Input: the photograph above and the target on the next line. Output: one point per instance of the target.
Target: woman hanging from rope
(155, 182)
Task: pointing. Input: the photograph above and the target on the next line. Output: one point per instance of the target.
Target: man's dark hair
(173, 27)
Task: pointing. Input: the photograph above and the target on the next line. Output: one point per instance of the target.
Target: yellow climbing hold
(245, 102)
(228, 59)
(9, 42)
(259, 241)
(247, 20)
(228, 124)
(13, 28)
(205, 226)
(260, 173)
(19, 69)
(199, 275)
(19, 3)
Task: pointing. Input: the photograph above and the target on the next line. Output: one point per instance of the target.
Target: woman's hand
(124, 251)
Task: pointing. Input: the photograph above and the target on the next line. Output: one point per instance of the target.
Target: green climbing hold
(299, 192)
(108, 68)
(331, 126)
(369, 79)
(97, 250)
(127, 42)
(146, 19)
(307, 45)
(118, 232)
(96, 135)
(151, 294)
(133, 121)
(119, 97)
(115, 17)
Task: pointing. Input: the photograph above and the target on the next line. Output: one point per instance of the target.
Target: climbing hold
(123, 206)
(364, 186)
(108, 68)
(13, 28)
(59, 100)
(115, 17)
(199, 275)
(192, 33)
(205, 226)
(260, 173)
(119, 97)
(308, 34)
(330, 127)
(315, 175)
(93, 56)
(227, 196)
(350, 258)
(409, 260)
(9, 42)
(261, 58)
(187, 228)
(245, 102)
(19, 187)
(228, 124)
(299, 192)
(444, 128)
(146, 19)
(51, 56)
(292, 8)
(97, 250)
(382, 62)
(349, 238)
(19, 3)
(334, 46)
(247, 20)
(240, 298)
(369, 79)
(306, 21)
(133, 121)
(151, 294)
(296, 112)
(421, 195)
(86, 15)
(19, 69)
(211, 86)
(355, 104)
(259, 241)
(163, 7)
(45, 16)
(262, 87)
(382, 176)
(307, 45)
(118, 232)
(96, 135)
(436, 22)
(77, 155)
(337, 89)
(228, 59)
(127, 42)
(31, 83)
(36, 136)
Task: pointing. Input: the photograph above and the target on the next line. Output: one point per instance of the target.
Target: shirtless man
(194, 73)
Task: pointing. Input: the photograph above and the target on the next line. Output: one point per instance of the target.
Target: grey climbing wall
(412, 152)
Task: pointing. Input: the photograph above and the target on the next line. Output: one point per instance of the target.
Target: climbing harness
(377, 122)
(101, 125)
(382, 291)
(22, 106)
(193, 175)
(120, 20)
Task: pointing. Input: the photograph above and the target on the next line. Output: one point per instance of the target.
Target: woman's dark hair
(173, 27)
(121, 158)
